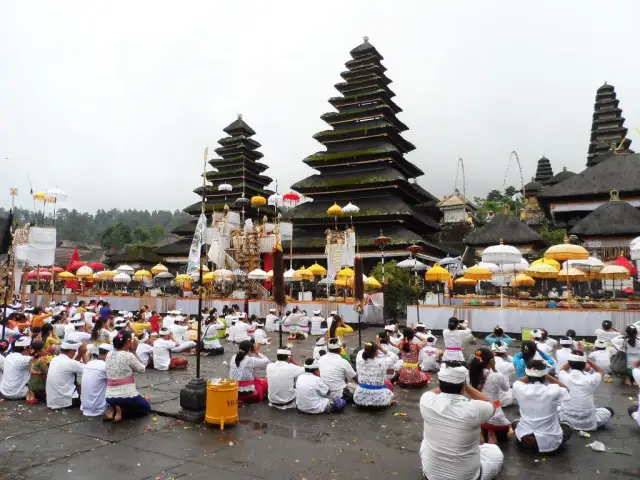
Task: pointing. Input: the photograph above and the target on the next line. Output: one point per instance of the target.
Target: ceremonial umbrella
(75, 265)
(466, 282)
(571, 274)
(413, 264)
(122, 278)
(140, 274)
(182, 278)
(547, 261)
(208, 277)
(303, 274)
(478, 272)
(96, 266)
(159, 268)
(541, 270)
(437, 274)
(84, 272)
(613, 272)
(275, 200)
(257, 274)
(34, 274)
(523, 280)
(335, 211)
(289, 275)
(317, 270)
(164, 275)
(108, 274)
(591, 265)
(240, 273)
(372, 283)
(125, 269)
(346, 272)
(567, 251)
(350, 209)
(623, 262)
(65, 276)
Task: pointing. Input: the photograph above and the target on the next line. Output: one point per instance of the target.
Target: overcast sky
(114, 102)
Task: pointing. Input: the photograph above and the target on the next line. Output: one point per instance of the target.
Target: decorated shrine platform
(371, 314)
(555, 320)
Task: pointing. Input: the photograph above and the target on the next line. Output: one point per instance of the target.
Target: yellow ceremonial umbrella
(258, 201)
(335, 211)
(140, 274)
(317, 270)
(346, 272)
(542, 270)
(547, 261)
(437, 274)
(523, 280)
(342, 282)
(84, 272)
(566, 251)
(571, 274)
(478, 273)
(208, 277)
(159, 268)
(107, 274)
(613, 272)
(66, 276)
(303, 274)
(183, 278)
(372, 283)
(40, 196)
(465, 282)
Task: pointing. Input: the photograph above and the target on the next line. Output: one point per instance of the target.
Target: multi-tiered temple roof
(607, 129)
(544, 171)
(364, 163)
(237, 166)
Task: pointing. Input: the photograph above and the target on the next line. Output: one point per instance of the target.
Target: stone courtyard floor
(267, 443)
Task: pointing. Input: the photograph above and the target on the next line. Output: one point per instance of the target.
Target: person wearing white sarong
(180, 333)
(320, 349)
(580, 410)
(539, 428)
(455, 341)
(93, 401)
(450, 449)
(313, 394)
(260, 336)
(272, 321)
(428, 356)
(316, 323)
(281, 377)
(504, 365)
(210, 341)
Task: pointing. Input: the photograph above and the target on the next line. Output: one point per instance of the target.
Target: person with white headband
(601, 357)
(94, 383)
(336, 371)
(582, 378)
(16, 370)
(539, 396)
(504, 365)
(455, 341)
(63, 390)
(320, 349)
(312, 393)
(452, 415)
(562, 355)
(281, 377)
(316, 323)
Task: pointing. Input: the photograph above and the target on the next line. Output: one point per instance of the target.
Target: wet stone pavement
(40, 444)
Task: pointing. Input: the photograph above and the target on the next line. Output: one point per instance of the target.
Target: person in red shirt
(155, 321)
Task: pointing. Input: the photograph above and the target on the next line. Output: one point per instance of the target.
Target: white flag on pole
(199, 238)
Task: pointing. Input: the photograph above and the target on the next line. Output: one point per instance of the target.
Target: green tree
(117, 236)
(141, 235)
(553, 236)
(399, 290)
(498, 202)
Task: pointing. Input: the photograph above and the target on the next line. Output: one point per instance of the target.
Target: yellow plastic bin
(222, 402)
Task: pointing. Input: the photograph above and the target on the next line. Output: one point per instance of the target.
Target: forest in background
(112, 228)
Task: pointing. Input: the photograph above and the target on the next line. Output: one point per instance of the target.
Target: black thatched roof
(186, 228)
(179, 248)
(544, 171)
(560, 176)
(618, 172)
(532, 187)
(611, 219)
(506, 228)
(137, 255)
(239, 126)
(365, 48)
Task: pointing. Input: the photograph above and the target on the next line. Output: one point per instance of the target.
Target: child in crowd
(600, 356)
(38, 368)
(428, 356)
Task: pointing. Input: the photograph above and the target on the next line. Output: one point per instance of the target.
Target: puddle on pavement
(285, 432)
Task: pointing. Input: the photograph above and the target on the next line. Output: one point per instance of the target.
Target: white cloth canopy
(257, 274)
(413, 264)
(125, 269)
(122, 278)
(501, 254)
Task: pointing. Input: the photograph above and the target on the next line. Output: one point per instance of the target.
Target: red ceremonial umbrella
(96, 266)
(56, 269)
(44, 275)
(291, 198)
(623, 262)
(73, 266)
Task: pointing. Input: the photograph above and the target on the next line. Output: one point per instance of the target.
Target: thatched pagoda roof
(612, 219)
(507, 228)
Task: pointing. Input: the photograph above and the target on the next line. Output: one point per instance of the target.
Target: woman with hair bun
(373, 389)
(410, 374)
(455, 340)
(251, 389)
(630, 344)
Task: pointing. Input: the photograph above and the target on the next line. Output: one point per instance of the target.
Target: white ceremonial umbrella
(502, 255)
(289, 274)
(239, 273)
(55, 195)
(635, 241)
(125, 269)
(164, 275)
(635, 251)
(257, 274)
(350, 209)
(515, 267)
(275, 200)
(122, 278)
(412, 263)
(592, 264)
(491, 266)
(224, 187)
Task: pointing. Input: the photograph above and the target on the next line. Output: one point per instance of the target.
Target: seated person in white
(16, 370)
(94, 383)
(394, 363)
(320, 349)
(562, 355)
(286, 322)
(329, 319)
(312, 393)
(231, 321)
(421, 332)
(210, 341)
(81, 332)
(336, 371)
(144, 350)
(281, 378)
(272, 321)
(316, 324)
(428, 356)
(62, 376)
(260, 336)
(601, 357)
(241, 330)
(170, 319)
(539, 396)
(606, 334)
(162, 350)
(504, 365)
(450, 449)
(582, 378)
(180, 332)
